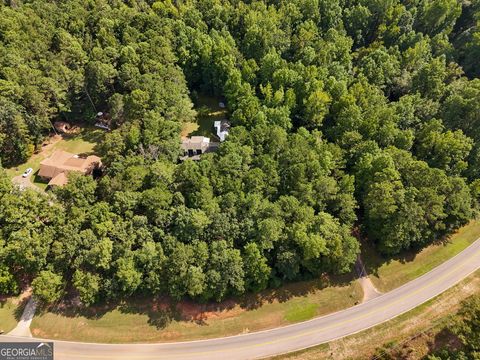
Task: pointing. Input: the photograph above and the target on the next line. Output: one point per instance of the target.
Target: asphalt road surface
(289, 338)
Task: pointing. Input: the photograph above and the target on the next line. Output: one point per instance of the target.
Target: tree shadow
(71, 309)
(93, 135)
(294, 289)
(3, 301)
(374, 259)
(162, 310)
(38, 179)
(160, 313)
(18, 312)
(444, 339)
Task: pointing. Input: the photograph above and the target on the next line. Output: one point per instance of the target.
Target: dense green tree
(127, 276)
(344, 115)
(465, 327)
(460, 111)
(468, 327)
(380, 67)
(8, 283)
(87, 285)
(17, 146)
(48, 286)
(437, 16)
(257, 271)
(225, 274)
(446, 150)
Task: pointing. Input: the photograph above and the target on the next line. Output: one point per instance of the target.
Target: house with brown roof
(56, 168)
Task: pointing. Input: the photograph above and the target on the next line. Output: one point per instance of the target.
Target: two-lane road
(293, 337)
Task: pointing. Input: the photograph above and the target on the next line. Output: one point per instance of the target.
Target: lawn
(84, 142)
(8, 311)
(208, 111)
(189, 321)
(390, 274)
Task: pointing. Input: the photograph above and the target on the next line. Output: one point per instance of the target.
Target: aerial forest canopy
(346, 114)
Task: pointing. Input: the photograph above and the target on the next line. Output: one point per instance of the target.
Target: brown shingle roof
(59, 180)
(64, 162)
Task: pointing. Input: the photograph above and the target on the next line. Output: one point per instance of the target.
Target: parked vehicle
(27, 172)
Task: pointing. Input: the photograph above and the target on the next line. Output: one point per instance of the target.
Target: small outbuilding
(222, 128)
(103, 121)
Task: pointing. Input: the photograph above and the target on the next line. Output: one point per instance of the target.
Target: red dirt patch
(191, 311)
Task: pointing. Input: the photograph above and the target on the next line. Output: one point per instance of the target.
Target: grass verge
(156, 321)
(414, 333)
(8, 311)
(389, 274)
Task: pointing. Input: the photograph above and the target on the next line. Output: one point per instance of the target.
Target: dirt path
(46, 149)
(369, 290)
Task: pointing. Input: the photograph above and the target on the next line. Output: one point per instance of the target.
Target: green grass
(301, 312)
(83, 143)
(291, 303)
(208, 112)
(8, 309)
(390, 274)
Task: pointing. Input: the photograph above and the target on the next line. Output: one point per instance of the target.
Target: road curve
(289, 338)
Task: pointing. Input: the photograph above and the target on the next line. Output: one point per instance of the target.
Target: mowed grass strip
(301, 312)
(387, 275)
(132, 323)
(8, 310)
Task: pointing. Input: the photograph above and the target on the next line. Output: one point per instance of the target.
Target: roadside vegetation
(9, 313)
(443, 328)
(390, 273)
(162, 320)
(358, 115)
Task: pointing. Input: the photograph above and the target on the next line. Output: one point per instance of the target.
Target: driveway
(25, 183)
(23, 326)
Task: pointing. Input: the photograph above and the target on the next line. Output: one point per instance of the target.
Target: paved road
(293, 337)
